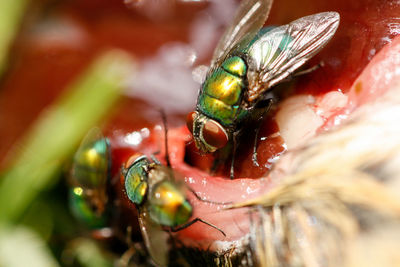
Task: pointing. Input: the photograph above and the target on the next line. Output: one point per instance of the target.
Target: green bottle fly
(250, 60)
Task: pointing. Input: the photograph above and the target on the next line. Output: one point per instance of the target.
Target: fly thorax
(222, 91)
(136, 180)
(91, 164)
(235, 65)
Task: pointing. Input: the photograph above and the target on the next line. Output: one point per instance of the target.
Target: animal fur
(338, 203)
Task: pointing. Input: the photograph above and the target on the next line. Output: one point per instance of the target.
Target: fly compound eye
(132, 160)
(214, 134)
(190, 119)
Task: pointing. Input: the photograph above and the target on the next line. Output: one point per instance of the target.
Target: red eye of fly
(189, 120)
(214, 134)
(132, 159)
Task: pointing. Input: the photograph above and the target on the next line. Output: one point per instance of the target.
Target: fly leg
(153, 157)
(235, 143)
(222, 156)
(263, 109)
(309, 70)
(186, 225)
(164, 121)
(290, 76)
(132, 252)
(254, 156)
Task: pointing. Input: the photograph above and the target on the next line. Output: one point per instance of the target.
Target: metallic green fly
(160, 200)
(246, 64)
(88, 179)
(151, 183)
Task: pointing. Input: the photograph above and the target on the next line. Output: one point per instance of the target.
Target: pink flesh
(328, 110)
(216, 189)
(236, 223)
(382, 73)
(321, 100)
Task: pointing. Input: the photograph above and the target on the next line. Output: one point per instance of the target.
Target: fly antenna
(164, 120)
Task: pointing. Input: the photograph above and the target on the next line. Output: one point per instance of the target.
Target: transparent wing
(249, 18)
(155, 239)
(91, 161)
(282, 50)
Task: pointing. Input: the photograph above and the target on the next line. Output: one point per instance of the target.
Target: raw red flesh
(218, 189)
(382, 73)
(366, 26)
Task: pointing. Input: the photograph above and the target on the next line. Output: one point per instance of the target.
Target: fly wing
(249, 18)
(282, 50)
(155, 239)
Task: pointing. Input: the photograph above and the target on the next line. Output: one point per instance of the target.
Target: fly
(160, 200)
(246, 64)
(88, 179)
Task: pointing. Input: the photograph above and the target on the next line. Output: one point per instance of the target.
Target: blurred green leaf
(11, 12)
(38, 217)
(58, 130)
(21, 247)
(88, 254)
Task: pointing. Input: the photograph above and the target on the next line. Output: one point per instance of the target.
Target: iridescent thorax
(91, 163)
(136, 180)
(222, 91)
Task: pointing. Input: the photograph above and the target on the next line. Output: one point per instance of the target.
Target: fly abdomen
(168, 206)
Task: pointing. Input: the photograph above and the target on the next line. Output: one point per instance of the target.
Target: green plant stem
(11, 13)
(58, 130)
